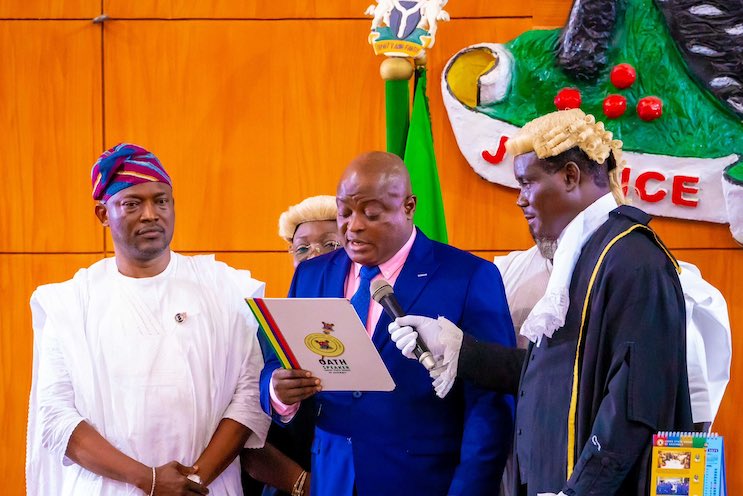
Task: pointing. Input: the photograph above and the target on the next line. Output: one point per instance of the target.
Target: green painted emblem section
(694, 123)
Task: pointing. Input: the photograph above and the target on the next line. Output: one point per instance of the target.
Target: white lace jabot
(549, 313)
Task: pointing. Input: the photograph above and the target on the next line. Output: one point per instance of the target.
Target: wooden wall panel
(50, 88)
(240, 131)
(19, 276)
(487, 8)
(724, 270)
(295, 9)
(679, 234)
(49, 9)
(242, 137)
(551, 14)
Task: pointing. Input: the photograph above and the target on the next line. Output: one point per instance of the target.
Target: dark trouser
(702, 426)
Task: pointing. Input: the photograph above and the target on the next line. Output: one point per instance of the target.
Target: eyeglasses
(304, 251)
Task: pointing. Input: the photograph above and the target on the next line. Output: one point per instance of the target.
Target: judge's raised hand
(294, 385)
(405, 330)
(172, 480)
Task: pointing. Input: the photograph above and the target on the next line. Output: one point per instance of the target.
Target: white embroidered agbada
(709, 345)
(109, 350)
(525, 276)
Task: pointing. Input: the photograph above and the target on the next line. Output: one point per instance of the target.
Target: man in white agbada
(146, 365)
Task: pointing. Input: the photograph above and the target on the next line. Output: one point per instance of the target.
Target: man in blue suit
(408, 441)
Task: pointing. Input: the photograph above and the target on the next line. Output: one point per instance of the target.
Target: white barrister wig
(310, 209)
(558, 132)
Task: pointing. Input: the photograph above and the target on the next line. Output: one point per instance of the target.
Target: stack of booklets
(688, 464)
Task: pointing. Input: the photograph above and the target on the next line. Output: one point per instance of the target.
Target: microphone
(383, 294)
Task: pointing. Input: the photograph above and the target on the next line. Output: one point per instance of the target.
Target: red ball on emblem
(567, 98)
(649, 108)
(614, 106)
(623, 76)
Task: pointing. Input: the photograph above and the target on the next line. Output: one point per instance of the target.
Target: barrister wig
(311, 209)
(557, 132)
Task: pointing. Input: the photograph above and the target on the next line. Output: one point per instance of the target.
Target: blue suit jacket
(409, 441)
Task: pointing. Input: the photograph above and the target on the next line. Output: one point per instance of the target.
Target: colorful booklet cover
(714, 477)
(687, 464)
(324, 336)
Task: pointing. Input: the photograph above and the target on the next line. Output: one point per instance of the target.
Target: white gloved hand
(405, 330)
(404, 338)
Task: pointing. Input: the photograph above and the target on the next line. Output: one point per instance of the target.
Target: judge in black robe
(584, 425)
(631, 375)
(590, 397)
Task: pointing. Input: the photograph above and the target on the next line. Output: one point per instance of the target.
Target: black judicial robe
(591, 397)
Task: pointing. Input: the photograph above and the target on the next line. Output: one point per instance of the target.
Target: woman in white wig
(310, 227)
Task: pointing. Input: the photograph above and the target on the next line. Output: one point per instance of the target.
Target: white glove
(404, 331)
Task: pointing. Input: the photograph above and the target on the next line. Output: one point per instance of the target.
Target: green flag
(421, 162)
(397, 115)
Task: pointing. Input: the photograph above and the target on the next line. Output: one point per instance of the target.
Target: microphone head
(379, 289)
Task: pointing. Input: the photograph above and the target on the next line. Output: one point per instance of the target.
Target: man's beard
(547, 247)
